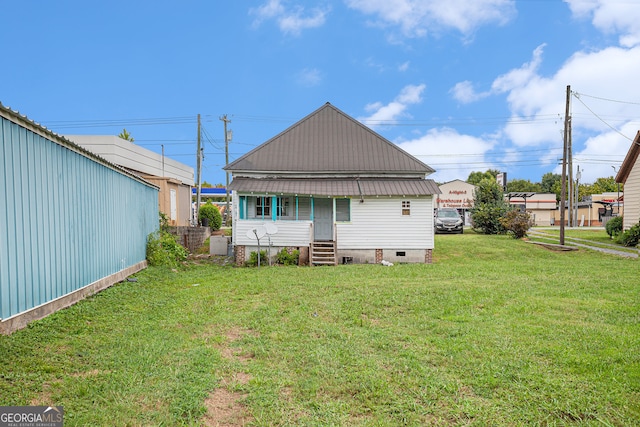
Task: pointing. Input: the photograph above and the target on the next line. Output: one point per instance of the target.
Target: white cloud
(465, 93)
(519, 76)
(452, 155)
(385, 114)
(598, 79)
(415, 18)
(309, 77)
(404, 66)
(291, 20)
(611, 17)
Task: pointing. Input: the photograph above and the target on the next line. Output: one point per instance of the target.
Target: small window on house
(401, 253)
(263, 207)
(343, 210)
(406, 207)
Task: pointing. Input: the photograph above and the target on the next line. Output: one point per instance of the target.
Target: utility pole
(563, 192)
(577, 191)
(198, 173)
(571, 190)
(226, 162)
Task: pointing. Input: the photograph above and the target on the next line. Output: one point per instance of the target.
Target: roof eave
(629, 160)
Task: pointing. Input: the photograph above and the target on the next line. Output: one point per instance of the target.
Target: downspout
(360, 190)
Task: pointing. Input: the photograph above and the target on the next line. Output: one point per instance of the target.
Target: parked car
(448, 220)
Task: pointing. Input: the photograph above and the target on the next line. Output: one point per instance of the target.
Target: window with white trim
(406, 207)
(343, 210)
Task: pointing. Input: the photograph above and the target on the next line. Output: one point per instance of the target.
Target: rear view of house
(71, 223)
(335, 189)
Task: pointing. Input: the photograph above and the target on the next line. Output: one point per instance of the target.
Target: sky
(462, 85)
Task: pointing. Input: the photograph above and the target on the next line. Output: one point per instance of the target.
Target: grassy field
(495, 332)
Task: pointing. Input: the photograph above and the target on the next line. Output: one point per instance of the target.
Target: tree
(125, 135)
(488, 207)
(606, 185)
(548, 181)
(523, 185)
(212, 214)
(475, 177)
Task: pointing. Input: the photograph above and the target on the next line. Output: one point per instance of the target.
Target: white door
(174, 205)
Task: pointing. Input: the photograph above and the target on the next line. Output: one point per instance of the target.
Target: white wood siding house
(629, 175)
(337, 191)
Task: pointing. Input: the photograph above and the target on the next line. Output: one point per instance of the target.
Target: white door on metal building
(174, 205)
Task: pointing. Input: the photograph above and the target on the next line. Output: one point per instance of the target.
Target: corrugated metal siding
(367, 231)
(66, 221)
(338, 187)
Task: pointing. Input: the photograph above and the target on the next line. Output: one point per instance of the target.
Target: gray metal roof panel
(329, 140)
(337, 187)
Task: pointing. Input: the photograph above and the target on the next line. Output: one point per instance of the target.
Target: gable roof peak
(328, 140)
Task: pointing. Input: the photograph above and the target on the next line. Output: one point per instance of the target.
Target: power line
(606, 99)
(577, 96)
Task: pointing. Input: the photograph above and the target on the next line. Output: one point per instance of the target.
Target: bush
(614, 226)
(486, 218)
(489, 207)
(516, 223)
(631, 237)
(163, 249)
(253, 259)
(286, 258)
(212, 214)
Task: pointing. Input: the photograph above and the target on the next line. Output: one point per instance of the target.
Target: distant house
(174, 179)
(337, 191)
(71, 223)
(629, 175)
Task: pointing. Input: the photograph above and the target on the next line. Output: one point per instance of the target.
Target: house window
(406, 207)
(343, 210)
(263, 207)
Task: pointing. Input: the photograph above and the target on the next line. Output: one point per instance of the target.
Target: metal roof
(329, 141)
(337, 187)
(25, 122)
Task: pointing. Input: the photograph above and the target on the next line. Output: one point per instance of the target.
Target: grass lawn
(495, 332)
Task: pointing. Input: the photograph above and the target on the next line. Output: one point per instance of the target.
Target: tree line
(550, 183)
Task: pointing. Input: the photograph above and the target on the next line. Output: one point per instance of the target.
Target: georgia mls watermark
(31, 416)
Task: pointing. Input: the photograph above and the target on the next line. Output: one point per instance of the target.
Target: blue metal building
(71, 224)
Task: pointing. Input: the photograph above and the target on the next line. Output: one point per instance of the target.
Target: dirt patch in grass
(224, 406)
(225, 409)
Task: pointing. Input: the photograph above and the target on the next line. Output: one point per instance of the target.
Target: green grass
(597, 237)
(495, 332)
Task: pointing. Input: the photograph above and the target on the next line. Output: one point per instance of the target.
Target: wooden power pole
(563, 191)
(226, 162)
(198, 173)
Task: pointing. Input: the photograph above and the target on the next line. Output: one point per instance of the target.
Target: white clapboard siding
(290, 233)
(378, 223)
(632, 198)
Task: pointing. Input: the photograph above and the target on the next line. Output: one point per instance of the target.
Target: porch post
(274, 208)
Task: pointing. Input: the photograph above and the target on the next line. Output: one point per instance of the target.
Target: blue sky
(462, 85)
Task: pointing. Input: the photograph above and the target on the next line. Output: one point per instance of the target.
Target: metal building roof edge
(27, 123)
